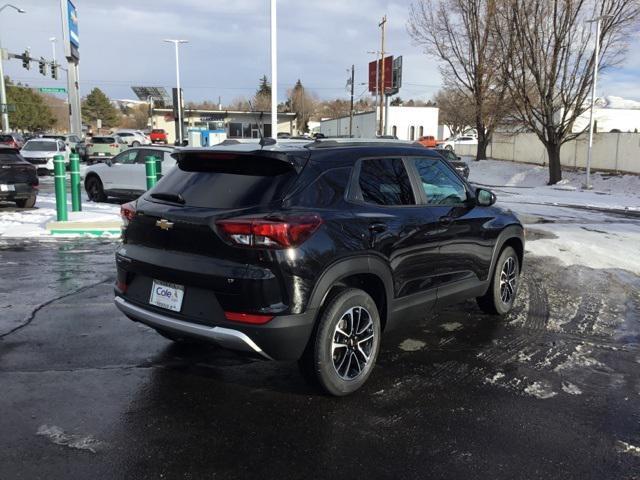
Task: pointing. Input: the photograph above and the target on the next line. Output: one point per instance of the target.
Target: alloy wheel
(508, 280)
(353, 341)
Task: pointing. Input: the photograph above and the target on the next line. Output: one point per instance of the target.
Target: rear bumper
(21, 192)
(283, 338)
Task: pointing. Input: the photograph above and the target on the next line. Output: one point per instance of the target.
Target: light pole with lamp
(53, 48)
(3, 92)
(176, 43)
(596, 54)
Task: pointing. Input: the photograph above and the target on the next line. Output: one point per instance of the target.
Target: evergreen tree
(262, 99)
(96, 106)
(31, 113)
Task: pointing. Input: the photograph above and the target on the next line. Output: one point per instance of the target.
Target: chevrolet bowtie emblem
(164, 224)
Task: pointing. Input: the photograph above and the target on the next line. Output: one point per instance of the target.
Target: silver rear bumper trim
(225, 337)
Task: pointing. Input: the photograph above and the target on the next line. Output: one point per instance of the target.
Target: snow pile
(30, 223)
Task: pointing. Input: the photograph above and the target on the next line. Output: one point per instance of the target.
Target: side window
(441, 186)
(128, 157)
(168, 159)
(384, 181)
(142, 158)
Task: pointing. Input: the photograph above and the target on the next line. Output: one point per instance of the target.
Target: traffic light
(26, 60)
(54, 70)
(42, 66)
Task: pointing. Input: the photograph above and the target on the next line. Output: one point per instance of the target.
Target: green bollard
(60, 178)
(76, 195)
(152, 176)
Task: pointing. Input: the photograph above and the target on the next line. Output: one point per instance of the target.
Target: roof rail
(358, 142)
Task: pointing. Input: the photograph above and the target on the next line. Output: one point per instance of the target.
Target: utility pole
(382, 25)
(176, 43)
(274, 71)
(351, 109)
(4, 107)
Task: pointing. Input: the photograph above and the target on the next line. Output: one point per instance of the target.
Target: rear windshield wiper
(170, 197)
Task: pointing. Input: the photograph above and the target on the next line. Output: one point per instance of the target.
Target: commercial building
(213, 126)
(407, 123)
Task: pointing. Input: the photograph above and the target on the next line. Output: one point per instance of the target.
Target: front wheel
(504, 284)
(449, 147)
(135, 144)
(345, 347)
(94, 188)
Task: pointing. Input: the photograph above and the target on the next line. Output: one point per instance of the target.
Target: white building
(612, 114)
(407, 123)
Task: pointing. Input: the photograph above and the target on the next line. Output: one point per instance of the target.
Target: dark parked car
(13, 140)
(311, 252)
(456, 162)
(18, 178)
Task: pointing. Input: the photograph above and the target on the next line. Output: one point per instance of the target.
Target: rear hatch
(177, 220)
(14, 170)
(103, 147)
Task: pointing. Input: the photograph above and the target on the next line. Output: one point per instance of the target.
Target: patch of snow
(451, 326)
(570, 388)
(495, 379)
(625, 447)
(59, 437)
(541, 390)
(411, 345)
(580, 358)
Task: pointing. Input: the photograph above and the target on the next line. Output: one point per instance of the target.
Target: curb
(91, 229)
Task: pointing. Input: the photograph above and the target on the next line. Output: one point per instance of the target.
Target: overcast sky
(121, 45)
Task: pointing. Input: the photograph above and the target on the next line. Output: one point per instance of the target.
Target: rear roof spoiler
(296, 158)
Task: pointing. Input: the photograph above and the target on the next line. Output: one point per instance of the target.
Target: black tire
(504, 283)
(135, 144)
(325, 362)
(26, 202)
(449, 147)
(95, 190)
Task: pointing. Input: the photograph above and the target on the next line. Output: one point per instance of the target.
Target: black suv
(309, 252)
(18, 178)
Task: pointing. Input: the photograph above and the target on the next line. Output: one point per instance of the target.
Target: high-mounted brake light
(262, 233)
(127, 212)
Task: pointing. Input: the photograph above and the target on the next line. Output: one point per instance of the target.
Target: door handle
(377, 227)
(445, 221)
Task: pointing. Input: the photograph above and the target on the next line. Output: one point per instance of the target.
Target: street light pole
(3, 91)
(596, 54)
(176, 43)
(274, 71)
(53, 48)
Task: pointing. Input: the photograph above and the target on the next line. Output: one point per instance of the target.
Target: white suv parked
(124, 176)
(133, 138)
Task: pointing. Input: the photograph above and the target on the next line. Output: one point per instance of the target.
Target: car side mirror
(109, 162)
(484, 197)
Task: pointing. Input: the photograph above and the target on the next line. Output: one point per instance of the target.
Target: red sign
(376, 78)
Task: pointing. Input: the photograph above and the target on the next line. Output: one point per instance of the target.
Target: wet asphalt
(550, 391)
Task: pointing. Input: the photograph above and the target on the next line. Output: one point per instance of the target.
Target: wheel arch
(367, 273)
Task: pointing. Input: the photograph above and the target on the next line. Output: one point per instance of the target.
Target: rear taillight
(263, 233)
(127, 212)
(114, 145)
(13, 144)
(89, 145)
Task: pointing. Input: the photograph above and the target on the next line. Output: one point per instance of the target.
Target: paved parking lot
(552, 391)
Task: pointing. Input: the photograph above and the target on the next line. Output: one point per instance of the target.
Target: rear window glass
(40, 146)
(230, 183)
(157, 131)
(100, 140)
(6, 138)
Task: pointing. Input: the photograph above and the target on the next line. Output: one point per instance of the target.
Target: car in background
(102, 148)
(133, 138)
(158, 135)
(40, 152)
(124, 176)
(428, 141)
(14, 140)
(18, 178)
(456, 162)
(451, 143)
(75, 143)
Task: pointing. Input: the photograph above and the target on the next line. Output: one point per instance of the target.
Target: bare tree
(457, 110)
(459, 33)
(551, 70)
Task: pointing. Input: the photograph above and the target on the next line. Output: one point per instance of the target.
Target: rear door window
(235, 181)
(384, 181)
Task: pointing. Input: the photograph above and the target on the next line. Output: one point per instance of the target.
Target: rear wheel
(135, 144)
(94, 188)
(26, 202)
(504, 284)
(344, 349)
(449, 147)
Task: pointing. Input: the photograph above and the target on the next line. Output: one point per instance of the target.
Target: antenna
(263, 141)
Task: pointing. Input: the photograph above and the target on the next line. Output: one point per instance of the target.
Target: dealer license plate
(167, 295)
(7, 188)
